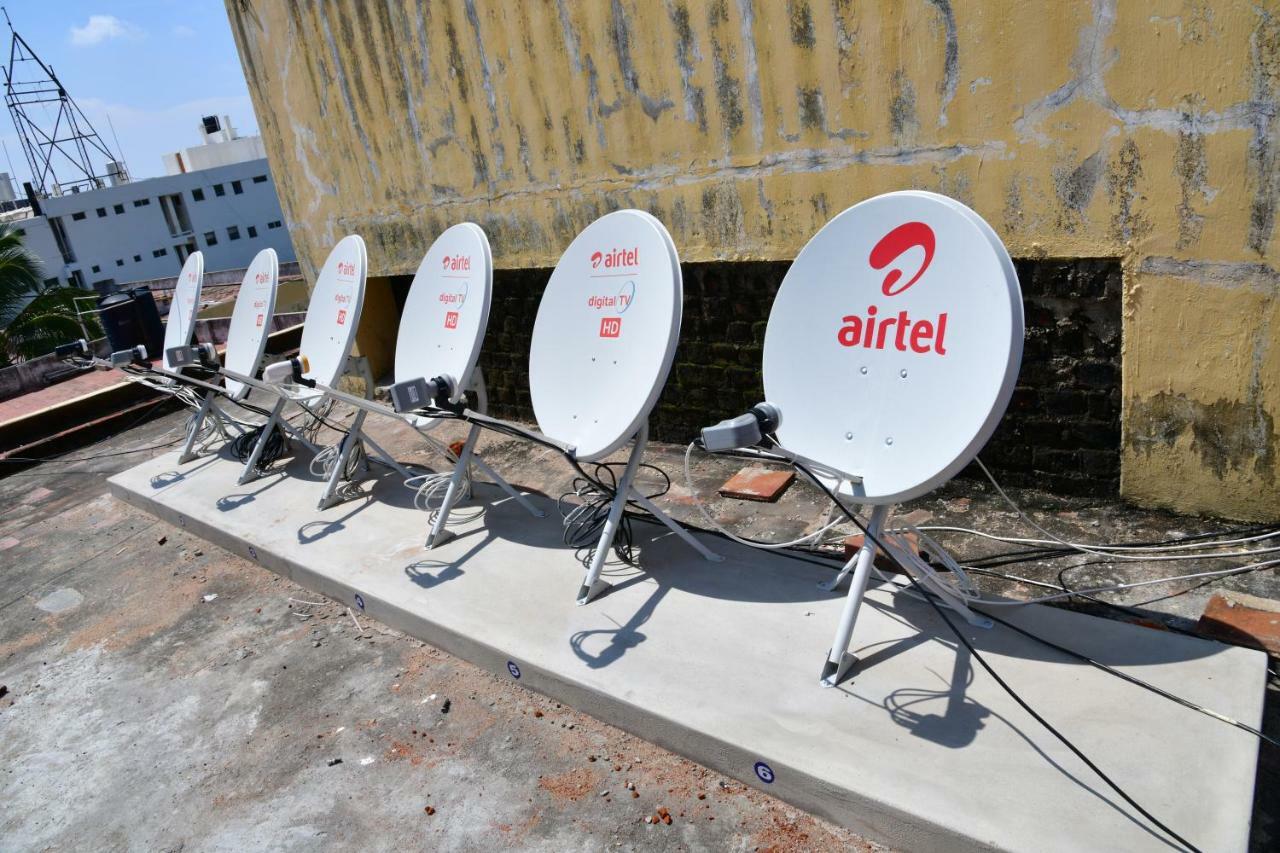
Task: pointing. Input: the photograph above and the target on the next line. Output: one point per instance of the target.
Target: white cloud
(102, 28)
(182, 31)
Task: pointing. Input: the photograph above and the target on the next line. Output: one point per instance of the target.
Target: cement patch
(60, 600)
(720, 661)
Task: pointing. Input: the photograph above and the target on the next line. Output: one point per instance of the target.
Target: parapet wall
(1142, 133)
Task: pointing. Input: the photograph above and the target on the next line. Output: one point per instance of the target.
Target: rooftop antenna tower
(64, 142)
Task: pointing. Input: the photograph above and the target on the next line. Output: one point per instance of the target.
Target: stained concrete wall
(1146, 132)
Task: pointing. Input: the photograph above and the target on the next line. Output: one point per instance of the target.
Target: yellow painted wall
(1147, 131)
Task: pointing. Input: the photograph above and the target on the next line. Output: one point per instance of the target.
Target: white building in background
(217, 197)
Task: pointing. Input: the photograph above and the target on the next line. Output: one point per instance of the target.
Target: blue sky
(154, 66)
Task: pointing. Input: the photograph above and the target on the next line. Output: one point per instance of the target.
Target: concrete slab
(921, 749)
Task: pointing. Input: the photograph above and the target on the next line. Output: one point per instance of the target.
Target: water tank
(117, 172)
(130, 317)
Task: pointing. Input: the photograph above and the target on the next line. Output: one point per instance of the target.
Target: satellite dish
(447, 310)
(606, 333)
(251, 319)
(894, 344)
(181, 324)
(334, 311)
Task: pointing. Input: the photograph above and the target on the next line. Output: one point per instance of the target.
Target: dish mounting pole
(593, 584)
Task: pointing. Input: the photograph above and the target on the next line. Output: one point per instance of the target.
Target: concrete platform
(920, 749)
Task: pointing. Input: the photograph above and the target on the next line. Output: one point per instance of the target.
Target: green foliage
(47, 321)
(33, 320)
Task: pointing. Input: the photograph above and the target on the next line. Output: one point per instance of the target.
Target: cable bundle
(584, 521)
(277, 444)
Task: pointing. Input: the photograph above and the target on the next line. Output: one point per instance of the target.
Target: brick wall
(1062, 429)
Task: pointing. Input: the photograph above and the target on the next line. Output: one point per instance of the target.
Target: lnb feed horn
(135, 355)
(746, 430)
(77, 347)
(290, 370)
(185, 356)
(414, 394)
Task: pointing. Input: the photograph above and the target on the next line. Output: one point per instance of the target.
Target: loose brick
(758, 484)
(1242, 620)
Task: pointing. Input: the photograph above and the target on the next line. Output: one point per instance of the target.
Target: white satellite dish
(441, 329)
(246, 340)
(603, 342)
(447, 310)
(251, 319)
(333, 313)
(891, 352)
(184, 306)
(894, 343)
(606, 333)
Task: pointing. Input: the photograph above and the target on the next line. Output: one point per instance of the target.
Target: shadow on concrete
(167, 478)
(621, 639)
(957, 723)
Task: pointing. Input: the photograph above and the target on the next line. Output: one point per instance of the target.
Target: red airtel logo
(902, 332)
(909, 235)
(615, 258)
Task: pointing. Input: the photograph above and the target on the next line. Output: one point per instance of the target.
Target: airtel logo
(457, 263)
(615, 258)
(893, 245)
(901, 332)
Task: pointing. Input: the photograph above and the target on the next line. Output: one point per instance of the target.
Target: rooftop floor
(263, 692)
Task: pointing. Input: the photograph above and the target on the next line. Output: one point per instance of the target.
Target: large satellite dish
(606, 333)
(181, 324)
(251, 319)
(447, 310)
(894, 343)
(333, 314)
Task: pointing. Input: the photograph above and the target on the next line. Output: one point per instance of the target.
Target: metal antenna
(68, 143)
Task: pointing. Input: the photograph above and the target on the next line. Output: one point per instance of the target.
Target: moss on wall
(1145, 132)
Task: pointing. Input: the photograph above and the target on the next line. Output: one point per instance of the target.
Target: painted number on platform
(610, 327)
(359, 601)
(513, 669)
(764, 772)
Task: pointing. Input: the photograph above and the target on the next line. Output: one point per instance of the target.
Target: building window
(259, 179)
(219, 190)
(210, 238)
(96, 268)
(102, 211)
(141, 202)
(51, 282)
(174, 209)
(78, 215)
(237, 188)
(197, 194)
(77, 278)
(253, 231)
(137, 259)
(119, 208)
(159, 253)
(60, 237)
(233, 233)
(119, 262)
(273, 224)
